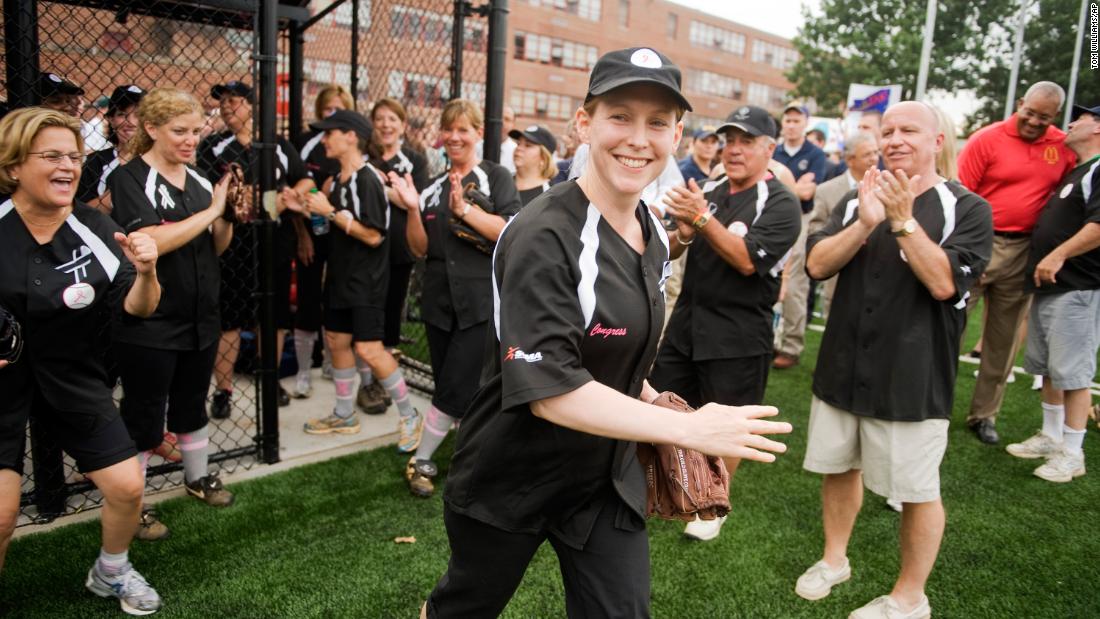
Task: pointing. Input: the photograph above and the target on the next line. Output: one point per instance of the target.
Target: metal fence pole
(494, 78)
(458, 30)
(297, 62)
(267, 41)
(355, 53)
(21, 51)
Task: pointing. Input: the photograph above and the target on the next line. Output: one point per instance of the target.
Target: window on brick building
(624, 13)
(672, 25)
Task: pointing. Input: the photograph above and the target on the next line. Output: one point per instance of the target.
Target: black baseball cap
(345, 120)
(1080, 109)
(234, 88)
(633, 66)
(537, 134)
(50, 84)
(123, 97)
(755, 121)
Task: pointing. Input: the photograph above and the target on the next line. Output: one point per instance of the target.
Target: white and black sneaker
(130, 588)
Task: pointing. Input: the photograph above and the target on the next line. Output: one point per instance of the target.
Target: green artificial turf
(317, 541)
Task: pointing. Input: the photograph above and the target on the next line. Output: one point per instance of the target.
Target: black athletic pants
(608, 578)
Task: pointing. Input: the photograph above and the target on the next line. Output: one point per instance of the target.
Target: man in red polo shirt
(1014, 164)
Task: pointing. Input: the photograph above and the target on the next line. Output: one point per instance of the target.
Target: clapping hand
(457, 201)
(896, 194)
(405, 191)
(684, 203)
(871, 210)
(140, 249)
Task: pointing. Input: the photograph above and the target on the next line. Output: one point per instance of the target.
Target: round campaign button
(78, 296)
(739, 228)
(1065, 191)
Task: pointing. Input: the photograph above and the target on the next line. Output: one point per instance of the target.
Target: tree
(1047, 55)
(879, 42)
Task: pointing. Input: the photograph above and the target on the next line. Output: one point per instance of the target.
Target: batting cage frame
(419, 52)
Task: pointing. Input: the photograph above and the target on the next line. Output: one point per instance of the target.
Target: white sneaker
(817, 582)
(303, 385)
(886, 607)
(1037, 383)
(1038, 446)
(895, 505)
(704, 530)
(130, 588)
(1062, 467)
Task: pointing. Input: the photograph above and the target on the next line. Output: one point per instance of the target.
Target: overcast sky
(782, 17)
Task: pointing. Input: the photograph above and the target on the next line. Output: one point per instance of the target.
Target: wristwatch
(701, 220)
(909, 226)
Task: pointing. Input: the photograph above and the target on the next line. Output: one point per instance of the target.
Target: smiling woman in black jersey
(66, 270)
(547, 448)
(166, 360)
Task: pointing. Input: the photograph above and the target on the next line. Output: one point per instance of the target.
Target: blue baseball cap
(1080, 109)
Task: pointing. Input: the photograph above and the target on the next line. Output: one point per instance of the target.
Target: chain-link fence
(408, 50)
(405, 50)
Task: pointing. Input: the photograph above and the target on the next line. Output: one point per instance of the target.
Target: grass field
(317, 541)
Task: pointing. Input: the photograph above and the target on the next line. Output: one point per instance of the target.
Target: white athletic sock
(303, 349)
(195, 449)
(366, 377)
(1054, 417)
(344, 380)
(1072, 440)
(436, 425)
(110, 564)
(399, 392)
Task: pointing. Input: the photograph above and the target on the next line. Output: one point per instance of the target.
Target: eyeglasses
(55, 157)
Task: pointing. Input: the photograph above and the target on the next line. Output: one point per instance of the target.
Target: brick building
(554, 43)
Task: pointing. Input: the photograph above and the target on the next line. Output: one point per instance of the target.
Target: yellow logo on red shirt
(1050, 155)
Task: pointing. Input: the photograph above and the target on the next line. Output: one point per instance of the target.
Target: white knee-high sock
(195, 448)
(303, 349)
(436, 425)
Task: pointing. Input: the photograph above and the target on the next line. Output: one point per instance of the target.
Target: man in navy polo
(807, 163)
(704, 148)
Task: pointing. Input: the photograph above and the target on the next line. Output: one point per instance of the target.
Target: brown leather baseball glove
(463, 231)
(238, 197)
(683, 483)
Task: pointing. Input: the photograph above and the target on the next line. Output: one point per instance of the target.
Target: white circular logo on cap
(78, 296)
(743, 112)
(55, 78)
(135, 90)
(739, 228)
(646, 58)
(1066, 191)
(532, 128)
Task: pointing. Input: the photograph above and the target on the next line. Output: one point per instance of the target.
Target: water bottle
(319, 223)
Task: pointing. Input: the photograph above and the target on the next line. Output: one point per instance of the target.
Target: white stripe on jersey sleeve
(761, 199)
(482, 181)
(849, 210)
(1086, 182)
(205, 184)
(353, 187)
(590, 270)
(220, 147)
(7, 207)
(151, 187)
(282, 157)
(493, 272)
(99, 249)
(712, 184)
(101, 186)
(311, 144)
(948, 202)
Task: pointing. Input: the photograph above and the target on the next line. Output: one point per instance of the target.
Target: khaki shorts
(900, 459)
